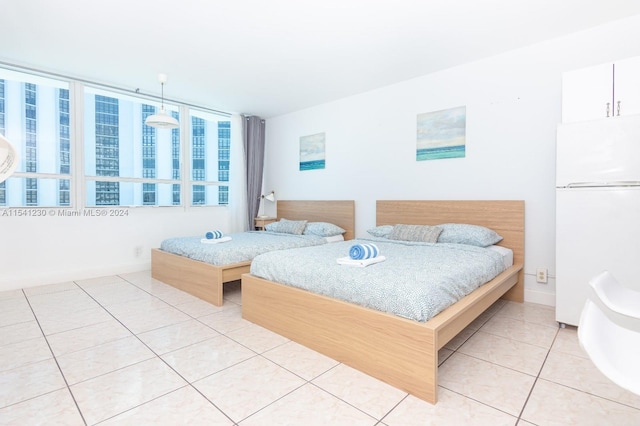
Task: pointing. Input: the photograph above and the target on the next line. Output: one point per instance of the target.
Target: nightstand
(260, 222)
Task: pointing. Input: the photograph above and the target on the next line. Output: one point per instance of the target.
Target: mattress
(415, 281)
(242, 247)
(506, 253)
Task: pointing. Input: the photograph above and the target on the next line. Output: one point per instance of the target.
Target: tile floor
(131, 350)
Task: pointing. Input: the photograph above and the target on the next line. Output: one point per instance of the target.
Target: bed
(206, 281)
(397, 350)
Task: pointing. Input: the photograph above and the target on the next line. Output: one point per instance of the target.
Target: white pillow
(473, 235)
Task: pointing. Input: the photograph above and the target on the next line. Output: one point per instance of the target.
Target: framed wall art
(312, 155)
(441, 134)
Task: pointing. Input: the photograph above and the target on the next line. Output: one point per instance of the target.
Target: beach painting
(441, 134)
(312, 152)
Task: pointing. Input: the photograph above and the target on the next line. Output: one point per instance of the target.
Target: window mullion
(78, 184)
(185, 157)
(87, 145)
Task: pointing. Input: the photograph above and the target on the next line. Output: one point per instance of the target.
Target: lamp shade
(270, 196)
(162, 120)
(8, 159)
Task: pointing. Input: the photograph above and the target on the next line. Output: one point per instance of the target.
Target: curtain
(237, 179)
(253, 134)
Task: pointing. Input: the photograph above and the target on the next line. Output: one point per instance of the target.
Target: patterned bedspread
(243, 246)
(416, 281)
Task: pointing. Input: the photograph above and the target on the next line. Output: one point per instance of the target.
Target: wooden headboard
(338, 212)
(506, 217)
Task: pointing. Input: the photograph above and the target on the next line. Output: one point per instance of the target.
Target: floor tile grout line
(467, 396)
(189, 383)
(571, 387)
(519, 418)
(68, 388)
(462, 353)
(537, 377)
(497, 365)
(156, 355)
(311, 382)
(292, 372)
(511, 338)
(272, 402)
(479, 402)
(152, 351)
(342, 400)
(176, 305)
(393, 408)
(186, 385)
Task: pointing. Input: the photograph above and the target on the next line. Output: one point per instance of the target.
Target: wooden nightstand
(260, 222)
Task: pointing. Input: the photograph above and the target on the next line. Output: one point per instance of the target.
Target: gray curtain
(253, 138)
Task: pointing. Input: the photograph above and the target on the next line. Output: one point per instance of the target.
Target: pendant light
(8, 159)
(162, 120)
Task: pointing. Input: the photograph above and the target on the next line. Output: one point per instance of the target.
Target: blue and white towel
(363, 251)
(361, 262)
(214, 235)
(215, 240)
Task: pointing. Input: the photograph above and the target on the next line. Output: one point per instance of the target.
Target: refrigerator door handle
(625, 183)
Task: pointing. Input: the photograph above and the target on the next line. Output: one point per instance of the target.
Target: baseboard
(540, 297)
(15, 283)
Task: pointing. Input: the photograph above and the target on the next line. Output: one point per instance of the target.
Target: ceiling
(270, 57)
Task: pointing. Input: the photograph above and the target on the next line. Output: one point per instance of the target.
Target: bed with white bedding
(242, 247)
(201, 269)
(415, 281)
(357, 316)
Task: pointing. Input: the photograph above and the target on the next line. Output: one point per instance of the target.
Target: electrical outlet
(541, 275)
(138, 251)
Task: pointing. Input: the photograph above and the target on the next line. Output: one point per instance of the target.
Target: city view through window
(123, 161)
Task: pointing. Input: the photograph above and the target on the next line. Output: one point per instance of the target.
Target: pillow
(474, 235)
(421, 233)
(381, 231)
(285, 226)
(334, 239)
(323, 229)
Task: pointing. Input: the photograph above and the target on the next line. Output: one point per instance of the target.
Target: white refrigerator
(597, 208)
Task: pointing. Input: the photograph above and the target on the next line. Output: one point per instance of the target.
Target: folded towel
(362, 263)
(363, 251)
(214, 235)
(215, 240)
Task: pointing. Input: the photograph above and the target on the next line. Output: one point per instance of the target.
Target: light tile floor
(131, 350)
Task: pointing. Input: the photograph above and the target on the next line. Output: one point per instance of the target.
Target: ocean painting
(441, 134)
(312, 152)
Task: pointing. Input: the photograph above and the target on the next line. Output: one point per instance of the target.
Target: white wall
(50, 249)
(513, 107)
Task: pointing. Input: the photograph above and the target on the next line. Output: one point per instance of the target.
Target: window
(125, 162)
(34, 116)
(210, 153)
(141, 163)
(3, 192)
(64, 187)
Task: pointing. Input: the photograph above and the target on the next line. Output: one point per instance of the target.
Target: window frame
(28, 78)
(78, 180)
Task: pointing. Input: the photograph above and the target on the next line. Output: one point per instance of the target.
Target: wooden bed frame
(396, 350)
(206, 281)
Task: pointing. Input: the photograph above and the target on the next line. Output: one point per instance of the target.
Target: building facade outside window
(125, 162)
(3, 198)
(106, 148)
(224, 158)
(64, 187)
(34, 116)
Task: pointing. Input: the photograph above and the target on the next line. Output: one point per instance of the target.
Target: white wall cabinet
(601, 91)
(627, 89)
